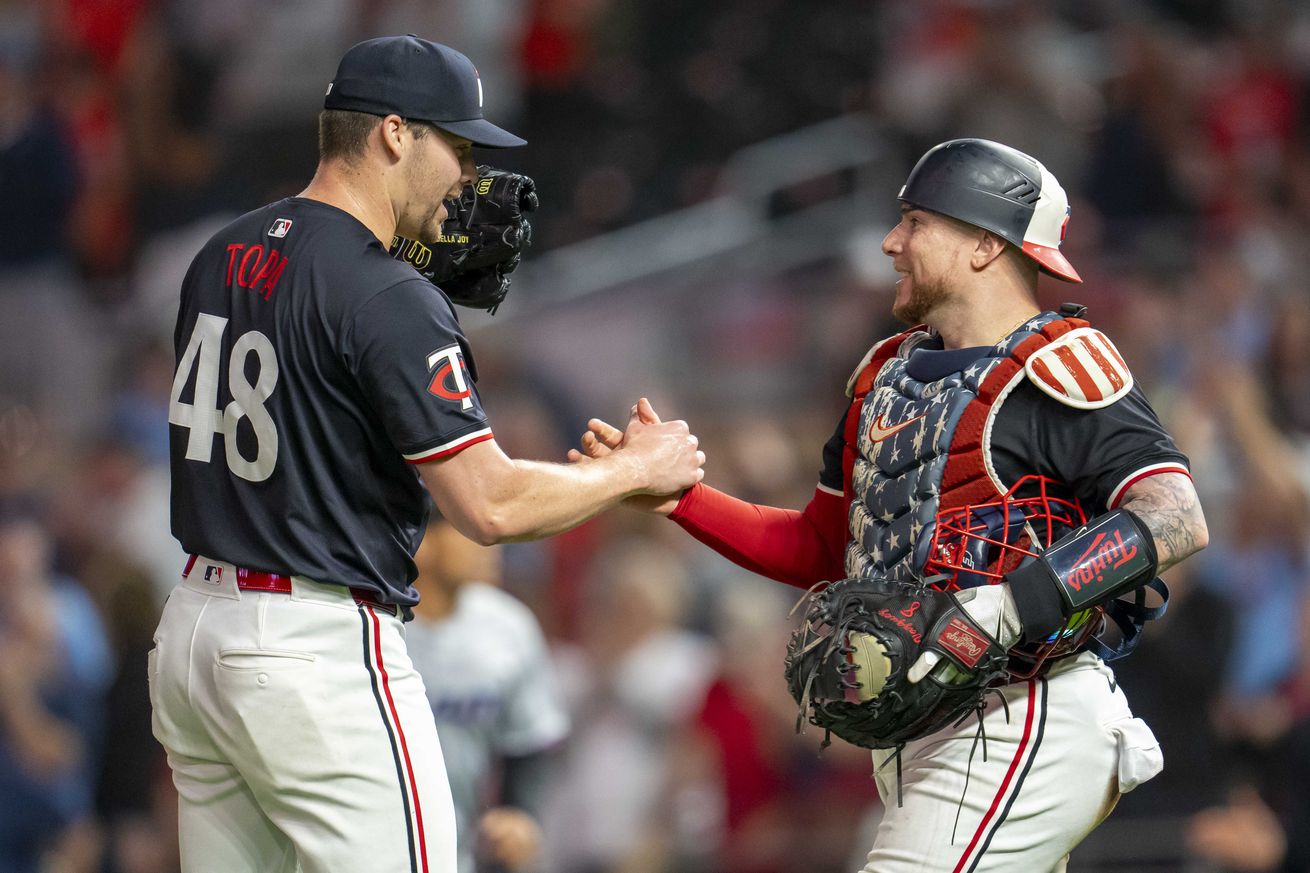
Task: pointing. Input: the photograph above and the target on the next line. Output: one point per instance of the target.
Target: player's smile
(895, 245)
(904, 289)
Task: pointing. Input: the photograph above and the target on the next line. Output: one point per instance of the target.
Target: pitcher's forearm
(544, 499)
(492, 498)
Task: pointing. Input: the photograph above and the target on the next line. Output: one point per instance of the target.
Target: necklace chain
(1011, 329)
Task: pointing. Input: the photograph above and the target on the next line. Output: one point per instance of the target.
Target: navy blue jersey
(313, 370)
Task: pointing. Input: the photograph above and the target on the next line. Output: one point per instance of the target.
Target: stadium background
(715, 178)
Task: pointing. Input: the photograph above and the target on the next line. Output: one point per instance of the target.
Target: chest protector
(916, 449)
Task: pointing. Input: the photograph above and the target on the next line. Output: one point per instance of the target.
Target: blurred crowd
(131, 129)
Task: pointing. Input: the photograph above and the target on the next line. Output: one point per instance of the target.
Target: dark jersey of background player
(1093, 453)
(303, 476)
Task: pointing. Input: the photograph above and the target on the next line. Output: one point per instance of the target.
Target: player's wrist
(1035, 589)
(630, 471)
(686, 502)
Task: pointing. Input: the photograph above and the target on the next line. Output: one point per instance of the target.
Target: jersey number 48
(203, 418)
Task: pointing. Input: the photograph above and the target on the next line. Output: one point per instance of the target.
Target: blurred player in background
(488, 676)
(55, 664)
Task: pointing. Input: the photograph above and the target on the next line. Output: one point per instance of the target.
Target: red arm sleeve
(798, 548)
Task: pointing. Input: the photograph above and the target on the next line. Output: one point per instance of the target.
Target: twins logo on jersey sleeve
(450, 382)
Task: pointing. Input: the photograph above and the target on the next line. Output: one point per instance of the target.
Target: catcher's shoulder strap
(966, 477)
(861, 379)
(858, 387)
(1081, 368)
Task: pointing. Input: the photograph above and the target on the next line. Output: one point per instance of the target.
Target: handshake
(667, 450)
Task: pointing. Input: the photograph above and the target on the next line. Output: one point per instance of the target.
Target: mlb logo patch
(213, 574)
(280, 228)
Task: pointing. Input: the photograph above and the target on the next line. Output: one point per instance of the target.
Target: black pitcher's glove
(849, 666)
(480, 243)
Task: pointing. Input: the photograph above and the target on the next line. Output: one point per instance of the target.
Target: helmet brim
(1051, 261)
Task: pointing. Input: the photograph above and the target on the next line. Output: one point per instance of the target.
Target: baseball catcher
(998, 499)
(481, 243)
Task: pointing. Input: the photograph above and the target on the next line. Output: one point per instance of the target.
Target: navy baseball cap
(419, 79)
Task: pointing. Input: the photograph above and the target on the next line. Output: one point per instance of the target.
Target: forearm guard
(1109, 556)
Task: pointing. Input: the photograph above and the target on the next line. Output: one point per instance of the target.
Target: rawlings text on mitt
(848, 664)
(480, 243)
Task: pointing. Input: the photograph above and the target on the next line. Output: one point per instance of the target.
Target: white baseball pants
(1059, 751)
(298, 731)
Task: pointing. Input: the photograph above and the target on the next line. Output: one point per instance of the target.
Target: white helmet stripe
(1047, 223)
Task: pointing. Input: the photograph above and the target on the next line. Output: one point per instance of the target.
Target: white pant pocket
(1140, 758)
(263, 659)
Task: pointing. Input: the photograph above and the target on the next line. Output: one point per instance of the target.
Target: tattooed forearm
(1167, 504)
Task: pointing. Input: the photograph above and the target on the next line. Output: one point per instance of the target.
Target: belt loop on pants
(275, 583)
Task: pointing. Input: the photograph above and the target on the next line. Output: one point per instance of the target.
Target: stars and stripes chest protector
(914, 449)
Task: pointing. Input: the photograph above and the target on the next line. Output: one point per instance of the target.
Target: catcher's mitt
(848, 664)
(480, 243)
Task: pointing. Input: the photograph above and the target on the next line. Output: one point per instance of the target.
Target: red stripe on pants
(400, 732)
(1009, 774)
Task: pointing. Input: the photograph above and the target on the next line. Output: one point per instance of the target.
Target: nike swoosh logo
(879, 430)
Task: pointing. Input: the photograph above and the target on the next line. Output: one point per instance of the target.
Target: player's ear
(988, 248)
(392, 129)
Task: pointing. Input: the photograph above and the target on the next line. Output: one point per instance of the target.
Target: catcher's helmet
(999, 189)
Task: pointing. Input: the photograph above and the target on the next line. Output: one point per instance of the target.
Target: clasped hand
(667, 450)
